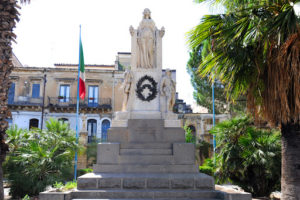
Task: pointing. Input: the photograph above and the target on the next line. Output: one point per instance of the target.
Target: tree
(248, 156)
(256, 52)
(39, 158)
(203, 86)
(8, 17)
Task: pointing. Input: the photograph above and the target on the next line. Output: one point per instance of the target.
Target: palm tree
(8, 17)
(248, 156)
(256, 52)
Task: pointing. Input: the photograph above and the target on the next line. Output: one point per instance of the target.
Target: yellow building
(39, 93)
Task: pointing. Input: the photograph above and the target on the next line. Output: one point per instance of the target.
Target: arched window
(92, 129)
(104, 127)
(63, 120)
(193, 129)
(33, 123)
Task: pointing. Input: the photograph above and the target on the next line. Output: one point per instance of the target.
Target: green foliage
(203, 84)
(26, 197)
(39, 158)
(91, 151)
(206, 170)
(58, 185)
(244, 42)
(204, 148)
(84, 171)
(189, 137)
(70, 185)
(248, 156)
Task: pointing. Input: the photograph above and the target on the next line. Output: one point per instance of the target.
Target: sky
(48, 32)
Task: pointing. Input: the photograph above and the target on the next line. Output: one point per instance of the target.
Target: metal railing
(86, 103)
(26, 101)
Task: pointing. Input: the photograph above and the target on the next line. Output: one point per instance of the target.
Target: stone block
(117, 134)
(158, 183)
(134, 183)
(137, 168)
(173, 135)
(172, 123)
(182, 183)
(108, 153)
(204, 183)
(184, 153)
(119, 123)
(55, 195)
(87, 183)
(111, 183)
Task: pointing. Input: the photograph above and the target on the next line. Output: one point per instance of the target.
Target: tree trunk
(8, 18)
(1, 182)
(290, 170)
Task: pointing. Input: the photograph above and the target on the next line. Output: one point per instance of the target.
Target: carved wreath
(141, 86)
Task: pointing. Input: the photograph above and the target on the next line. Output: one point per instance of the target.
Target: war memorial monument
(146, 156)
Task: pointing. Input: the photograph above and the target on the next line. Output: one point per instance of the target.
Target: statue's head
(147, 13)
(168, 72)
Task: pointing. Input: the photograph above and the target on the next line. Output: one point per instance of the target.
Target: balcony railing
(86, 103)
(26, 101)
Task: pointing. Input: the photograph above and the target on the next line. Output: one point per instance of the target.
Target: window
(93, 96)
(11, 93)
(33, 123)
(63, 120)
(35, 90)
(105, 126)
(92, 129)
(64, 93)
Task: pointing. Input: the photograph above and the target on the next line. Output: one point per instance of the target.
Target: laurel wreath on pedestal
(152, 87)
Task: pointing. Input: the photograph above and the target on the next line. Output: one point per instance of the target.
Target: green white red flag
(82, 91)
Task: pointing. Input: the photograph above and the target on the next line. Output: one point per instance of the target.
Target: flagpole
(77, 109)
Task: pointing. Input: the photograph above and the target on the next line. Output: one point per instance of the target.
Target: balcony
(89, 104)
(26, 101)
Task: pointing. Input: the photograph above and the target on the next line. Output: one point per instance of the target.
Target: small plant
(84, 171)
(189, 137)
(70, 185)
(26, 197)
(58, 185)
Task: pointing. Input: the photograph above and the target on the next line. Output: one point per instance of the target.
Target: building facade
(38, 94)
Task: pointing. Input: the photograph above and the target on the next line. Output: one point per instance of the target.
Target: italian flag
(81, 72)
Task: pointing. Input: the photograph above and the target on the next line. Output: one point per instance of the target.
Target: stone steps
(146, 145)
(144, 181)
(150, 199)
(147, 159)
(140, 168)
(146, 151)
(145, 194)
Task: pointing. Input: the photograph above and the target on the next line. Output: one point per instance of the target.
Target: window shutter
(35, 90)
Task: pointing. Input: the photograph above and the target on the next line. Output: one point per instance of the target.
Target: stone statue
(26, 89)
(168, 89)
(128, 79)
(83, 118)
(146, 41)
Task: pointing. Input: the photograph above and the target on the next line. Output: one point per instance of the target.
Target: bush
(189, 137)
(248, 156)
(91, 151)
(206, 170)
(39, 158)
(84, 171)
